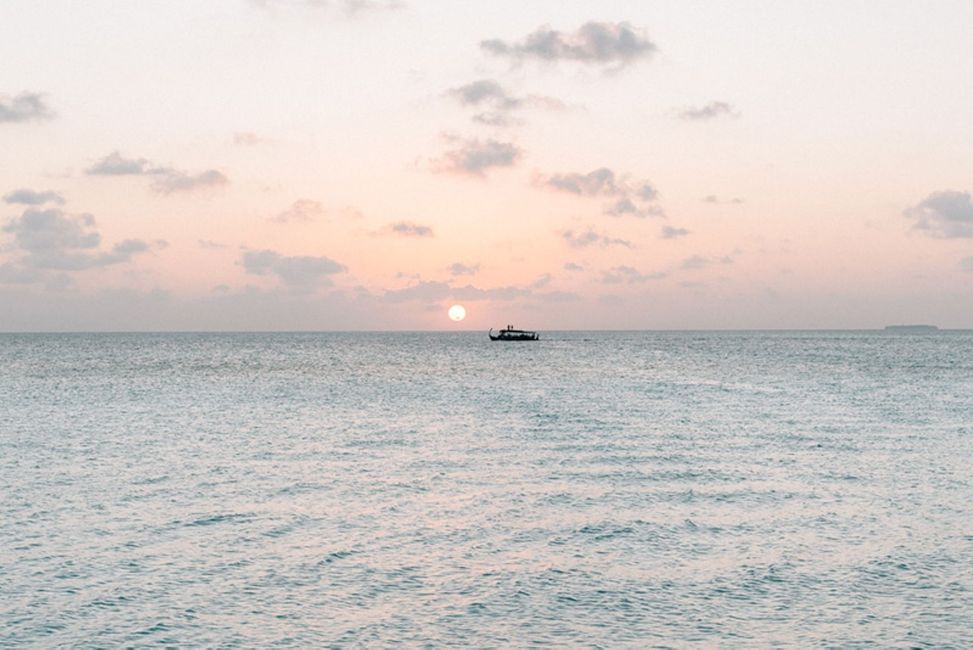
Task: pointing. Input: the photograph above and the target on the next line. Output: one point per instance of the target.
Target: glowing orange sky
(297, 165)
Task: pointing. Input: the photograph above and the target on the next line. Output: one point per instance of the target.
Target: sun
(457, 313)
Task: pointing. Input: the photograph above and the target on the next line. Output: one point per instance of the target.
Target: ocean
(615, 489)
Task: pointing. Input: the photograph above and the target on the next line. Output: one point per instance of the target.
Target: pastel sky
(363, 164)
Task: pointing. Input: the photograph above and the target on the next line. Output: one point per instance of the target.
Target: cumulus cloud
(709, 111)
(627, 197)
(302, 210)
(669, 232)
(610, 45)
(166, 180)
(25, 107)
(496, 103)
(176, 181)
(571, 266)
(30, 197)
(589, 238)
(297, 272)
(600, 182)
(458, 268)
(628, 274)
(51, 239)
(473, 157)
(409, 229)
(485, 92)
(944, 215)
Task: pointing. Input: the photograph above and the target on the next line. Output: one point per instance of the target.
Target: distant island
(911, 328)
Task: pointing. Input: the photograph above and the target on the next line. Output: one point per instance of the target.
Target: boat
(510, 334)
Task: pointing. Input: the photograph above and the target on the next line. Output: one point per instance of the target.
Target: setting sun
(457, 313)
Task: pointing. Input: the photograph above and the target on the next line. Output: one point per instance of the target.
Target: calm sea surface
(616, 489)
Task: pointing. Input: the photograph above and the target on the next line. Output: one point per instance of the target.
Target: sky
(366, 164)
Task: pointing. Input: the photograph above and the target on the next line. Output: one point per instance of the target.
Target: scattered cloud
(25, 107)
(473, 157)
(409, 229)
(115, 164)
(299, 272)
(166, 180)
(628, 198)
(589, 238)
(246, 139)
(30, 197)
(669, 232)
(709, 111)
(301, 211)
(610, 45)
(630, 275)
(571, 266)
(209, 244)
(458, 268)
(695, 262)
(351, 8)
(52, 240)
(944, 215)
(437, 291)
(967, 264)
(175, 181)
(600, 182)
(542, 281)
(712, 198)
(496, 104)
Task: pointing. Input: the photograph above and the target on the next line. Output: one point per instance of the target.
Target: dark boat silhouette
(510, 334)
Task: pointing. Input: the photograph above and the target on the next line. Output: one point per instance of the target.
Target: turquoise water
(617, 489)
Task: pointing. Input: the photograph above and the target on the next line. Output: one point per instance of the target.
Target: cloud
(612, 45)
(708, 112)
(484, 92)
(474, 157)
(589, 238)
(712, 198)
(634, 198)
(438, 291)
(351, 8)
(166, 180)
(53, 240)
(542, 281)
(571, 266)
(246, 139)
(409, 229)
(209, 244)
(967, 264)
(30, 197)
(175, 181)
(115, 164)
(600, 182)
(498, 104)
(458, 268)
(695, 262)
(25, 107)
(299, 272)
(628, 274)
(302, 210)
(944, 215)
(669, 232)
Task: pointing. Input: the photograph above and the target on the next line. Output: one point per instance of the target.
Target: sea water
(592, 488)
